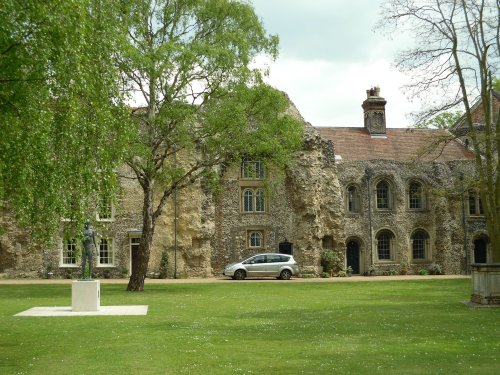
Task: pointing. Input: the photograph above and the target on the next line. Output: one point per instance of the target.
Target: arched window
(415, 196)
(252, 169)
(383, 195)
(384, 245)
(255, 239)
(419, 245)
(248, 200)
(353, 201)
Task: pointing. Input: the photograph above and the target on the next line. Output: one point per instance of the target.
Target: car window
(259, 259)
(284, 258)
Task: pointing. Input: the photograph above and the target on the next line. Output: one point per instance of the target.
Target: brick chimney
(374, 111)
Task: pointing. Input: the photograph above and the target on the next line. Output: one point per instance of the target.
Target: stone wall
(441, 217)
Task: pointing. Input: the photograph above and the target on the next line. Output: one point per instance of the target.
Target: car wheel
(285, 275)
(239, 275)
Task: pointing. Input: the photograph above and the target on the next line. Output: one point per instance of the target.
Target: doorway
(286, 247)
(352, 256)
(134, 253)
(480, 247)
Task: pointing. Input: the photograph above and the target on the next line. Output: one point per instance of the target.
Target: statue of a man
(89, 244)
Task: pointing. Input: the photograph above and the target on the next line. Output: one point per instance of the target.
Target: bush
(325, 275)
(435, 269)
(423, 272)
(341, 274)
(390, 272)
(329, 260)
(164, 265)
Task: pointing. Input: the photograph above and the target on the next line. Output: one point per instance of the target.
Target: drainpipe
(175, 217)
(464, 224)
(369, 174)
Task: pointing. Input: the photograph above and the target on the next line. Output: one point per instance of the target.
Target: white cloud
(330, 56)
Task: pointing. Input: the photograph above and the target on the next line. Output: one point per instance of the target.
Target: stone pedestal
(486, 284)
(86, 295)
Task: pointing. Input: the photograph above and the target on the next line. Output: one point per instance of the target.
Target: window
(252, 169)
(69, 252)
(353, 201)
(384, 245)
(419, 245)
(415, 196)
(383, 196)
(255, 239)
(254, 200)
(248, 201)
(475, 204)
(105, 252)
(105, 209)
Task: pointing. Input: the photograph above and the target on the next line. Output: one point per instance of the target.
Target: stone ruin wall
(441, 219)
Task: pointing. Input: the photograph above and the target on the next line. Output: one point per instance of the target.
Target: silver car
(282, 266)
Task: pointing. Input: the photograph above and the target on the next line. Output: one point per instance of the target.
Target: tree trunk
(136, 282)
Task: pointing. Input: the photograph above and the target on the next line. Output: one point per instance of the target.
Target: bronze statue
(89, 244)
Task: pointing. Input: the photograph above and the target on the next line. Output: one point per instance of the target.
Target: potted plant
(372, 269)
(348, 270)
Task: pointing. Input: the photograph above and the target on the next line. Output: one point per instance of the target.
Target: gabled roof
(398, 144)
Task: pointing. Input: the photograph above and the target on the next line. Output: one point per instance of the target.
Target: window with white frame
(415, 196)
(253, 200)
(69, 252)
(105, 252)
(105, 208)
(255, 239)
(419, 245)
(252, 169)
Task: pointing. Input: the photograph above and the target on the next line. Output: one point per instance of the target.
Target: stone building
(370, 193)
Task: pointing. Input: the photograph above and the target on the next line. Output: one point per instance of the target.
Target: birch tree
(190, 63)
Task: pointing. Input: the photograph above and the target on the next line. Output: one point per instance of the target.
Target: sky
(330, 55)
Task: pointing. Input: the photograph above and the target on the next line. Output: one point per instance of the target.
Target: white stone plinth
(486, 284)
(86, 295)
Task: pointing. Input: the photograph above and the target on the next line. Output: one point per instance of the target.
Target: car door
(273, 265)
(256, 266)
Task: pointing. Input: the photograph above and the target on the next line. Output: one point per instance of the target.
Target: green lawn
(390, 327)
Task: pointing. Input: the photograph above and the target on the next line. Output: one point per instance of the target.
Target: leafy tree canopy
(62, 118)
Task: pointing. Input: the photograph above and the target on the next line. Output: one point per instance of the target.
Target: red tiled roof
(399, 144)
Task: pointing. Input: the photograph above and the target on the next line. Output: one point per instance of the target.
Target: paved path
(228, 280)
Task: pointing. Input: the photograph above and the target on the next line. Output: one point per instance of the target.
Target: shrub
(423, 272)
(341, 274)
(329, 260)
(325, 275)
(435, 269)
(164, 265)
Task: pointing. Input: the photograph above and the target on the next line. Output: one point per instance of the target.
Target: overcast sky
(330, 55)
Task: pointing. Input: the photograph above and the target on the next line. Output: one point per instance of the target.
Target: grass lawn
(390, 327)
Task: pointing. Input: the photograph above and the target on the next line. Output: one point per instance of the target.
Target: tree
(443, 120)
(62, 118)
(204, 106)
(456, 52)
